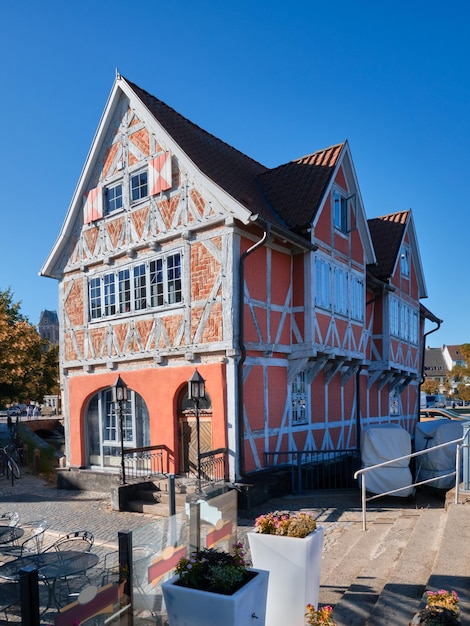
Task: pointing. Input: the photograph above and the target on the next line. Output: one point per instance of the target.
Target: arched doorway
(187, 431)
(102, 427)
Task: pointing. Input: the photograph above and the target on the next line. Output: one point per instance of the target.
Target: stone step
(361, 575)
(157, 509)
(401, 596)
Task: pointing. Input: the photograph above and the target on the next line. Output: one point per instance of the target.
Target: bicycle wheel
(14, 469)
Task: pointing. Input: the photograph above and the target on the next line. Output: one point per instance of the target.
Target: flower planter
(192, 607)
(294, 567)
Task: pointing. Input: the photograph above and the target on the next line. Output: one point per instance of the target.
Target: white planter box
(294, 567)
(191, 607)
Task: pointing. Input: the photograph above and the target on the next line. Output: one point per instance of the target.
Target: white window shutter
(160, 173)
(92, 205)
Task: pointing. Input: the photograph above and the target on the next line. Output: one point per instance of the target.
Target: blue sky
(276, 80)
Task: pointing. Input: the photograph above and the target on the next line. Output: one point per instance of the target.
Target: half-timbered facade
(179, 252)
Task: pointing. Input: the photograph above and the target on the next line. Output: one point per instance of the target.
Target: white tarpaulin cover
(442, 461)
(383, 443)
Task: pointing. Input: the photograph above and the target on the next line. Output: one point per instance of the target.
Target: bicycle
(8, 463)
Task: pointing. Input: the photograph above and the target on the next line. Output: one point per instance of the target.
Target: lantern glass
(196, 386)
(119, 390)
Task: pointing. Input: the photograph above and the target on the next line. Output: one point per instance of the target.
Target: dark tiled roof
(288, 195)
(297, 188)
(387, 235)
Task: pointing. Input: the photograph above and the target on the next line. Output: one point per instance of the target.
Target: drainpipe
(241, 301)
(437, 321)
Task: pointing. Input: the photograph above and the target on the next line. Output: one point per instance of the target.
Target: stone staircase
(153, 497)
(378, 577)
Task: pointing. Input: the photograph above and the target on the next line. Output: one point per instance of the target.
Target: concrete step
(402, 593)
(156, 509)
(367, 567)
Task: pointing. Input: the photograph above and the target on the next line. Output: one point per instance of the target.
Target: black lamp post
(196, 392)
(119, 397)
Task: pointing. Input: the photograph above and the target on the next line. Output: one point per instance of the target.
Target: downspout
(438, 322)
(242, 348)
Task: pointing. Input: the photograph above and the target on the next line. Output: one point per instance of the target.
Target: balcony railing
(214, 465)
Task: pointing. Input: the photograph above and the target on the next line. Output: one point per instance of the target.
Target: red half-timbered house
(179, 252)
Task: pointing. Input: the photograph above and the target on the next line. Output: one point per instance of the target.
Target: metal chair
(11, 517)
(81, 540)
(31, 541)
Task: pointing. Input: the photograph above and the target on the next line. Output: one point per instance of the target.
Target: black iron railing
(147, 461)
(214, 465)
(332, 469)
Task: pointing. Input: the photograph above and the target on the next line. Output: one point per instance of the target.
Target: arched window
(103, 432)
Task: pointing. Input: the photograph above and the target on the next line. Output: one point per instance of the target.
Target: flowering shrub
(319, 617)
(211, 570)
(442, 609)
(285, 523)
(443, 599)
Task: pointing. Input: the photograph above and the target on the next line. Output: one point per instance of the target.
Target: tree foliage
(28, 363)
(430, 386)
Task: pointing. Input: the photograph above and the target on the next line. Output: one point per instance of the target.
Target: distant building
(49, 326)
(439, 362)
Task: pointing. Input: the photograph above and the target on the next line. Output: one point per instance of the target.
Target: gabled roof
(296, 189)
(387, 234)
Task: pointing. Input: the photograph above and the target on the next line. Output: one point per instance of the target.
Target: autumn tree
(460, 374)
(28, 363)
(430, 386)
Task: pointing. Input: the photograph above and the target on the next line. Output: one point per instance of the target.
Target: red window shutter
(160, 173)
(92, 205)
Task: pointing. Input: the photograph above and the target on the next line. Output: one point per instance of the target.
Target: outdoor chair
(31, 541)
(79, 540)
(10, 517)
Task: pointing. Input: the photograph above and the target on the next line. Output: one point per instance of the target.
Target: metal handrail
(363, 471)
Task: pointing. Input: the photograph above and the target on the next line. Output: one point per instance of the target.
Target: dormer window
(139, 186)
(340, 211)
(405, 262)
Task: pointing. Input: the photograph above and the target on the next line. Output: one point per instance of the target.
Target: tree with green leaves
(28, 364)
(460, 374)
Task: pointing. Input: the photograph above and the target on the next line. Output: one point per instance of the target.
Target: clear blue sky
(276, 80)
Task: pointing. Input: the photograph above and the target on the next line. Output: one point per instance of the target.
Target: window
(405, 262)
(403, 320)
(153, 284)
(113, 198)
(340, 212)
(140, 300)
(340, 290)
(322, 283)
(95, 298)
(109, 294)
(357, 297)
(299, 399)
(124, 286)
(174, 278)
(139, 186)
(103, 431)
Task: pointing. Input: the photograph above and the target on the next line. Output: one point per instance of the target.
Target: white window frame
(116, 203)
(299, 407)
(357, 306)
(340, 290)
(322, 283)
(141, 190)
(130, 289)
(405, 261)
(340, 211)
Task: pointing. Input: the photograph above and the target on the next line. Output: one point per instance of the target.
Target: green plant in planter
(215, 571)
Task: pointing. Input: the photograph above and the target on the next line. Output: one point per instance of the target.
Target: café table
(10, 533)
(52, 567)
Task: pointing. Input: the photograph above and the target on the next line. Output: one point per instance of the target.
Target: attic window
(113, 198)
(139, 187)
(405, 262)
(340, 211)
